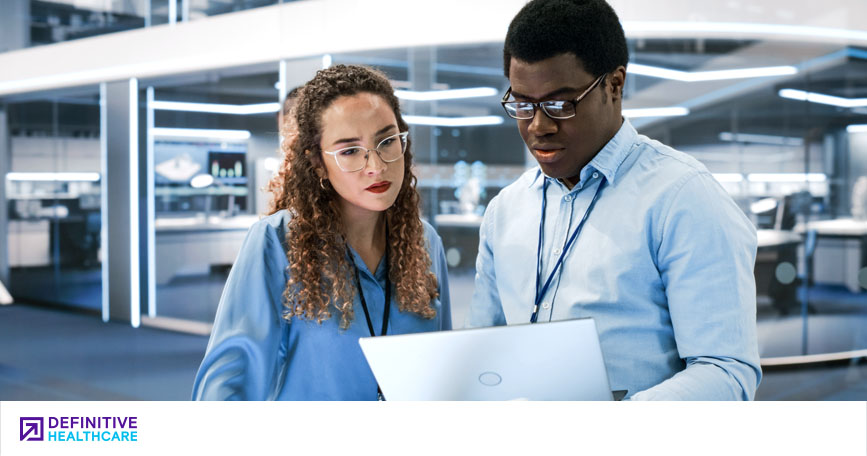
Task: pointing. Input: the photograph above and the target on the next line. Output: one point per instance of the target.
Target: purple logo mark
(31, 428)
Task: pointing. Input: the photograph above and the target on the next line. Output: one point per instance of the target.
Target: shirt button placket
(547, 309)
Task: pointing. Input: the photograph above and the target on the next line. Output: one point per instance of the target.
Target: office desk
(774, 248)
(841, 227)
(842, 252)
(772, 239)
(192, 245)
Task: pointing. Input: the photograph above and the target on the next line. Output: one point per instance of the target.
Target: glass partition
(26, 23)
(65, 20)
(739, 106)
(54, 199)
(209, 164)
(781, 125)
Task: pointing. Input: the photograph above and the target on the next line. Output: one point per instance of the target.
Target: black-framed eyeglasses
(352, 159)
(565, 109)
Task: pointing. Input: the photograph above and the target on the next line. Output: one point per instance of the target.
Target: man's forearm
(705, 381)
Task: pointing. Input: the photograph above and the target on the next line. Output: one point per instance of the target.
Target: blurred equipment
(179, 168)
(5, 297)
(859, 199)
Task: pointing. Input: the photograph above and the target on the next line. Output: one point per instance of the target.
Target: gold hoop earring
(322, 183)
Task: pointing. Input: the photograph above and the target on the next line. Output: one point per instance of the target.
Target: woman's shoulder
(429, 231)
(432, 239)
(271, 227)
(278, 220)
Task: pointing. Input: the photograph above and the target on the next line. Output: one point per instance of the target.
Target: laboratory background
(137, 137)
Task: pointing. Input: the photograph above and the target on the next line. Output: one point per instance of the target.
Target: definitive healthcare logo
(79, 429)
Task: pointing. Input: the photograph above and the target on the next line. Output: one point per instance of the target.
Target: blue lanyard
(541, 293)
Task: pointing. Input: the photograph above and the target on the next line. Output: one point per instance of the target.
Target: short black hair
(588, 29)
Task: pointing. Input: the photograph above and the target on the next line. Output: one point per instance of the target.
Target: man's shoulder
(675, 163)
(520, 188)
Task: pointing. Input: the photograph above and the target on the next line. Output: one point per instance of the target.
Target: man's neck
(570, 182)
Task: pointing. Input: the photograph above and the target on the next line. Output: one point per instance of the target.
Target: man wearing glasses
(613, 225)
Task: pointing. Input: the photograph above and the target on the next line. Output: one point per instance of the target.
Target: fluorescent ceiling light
(694, 76)
(703, 28)
(215, 108)
(202, 133)
(450, 94)
(728, 177)
(453, 121)
(794, 94)
(787, 177)
(761, 139)
(857, 128)
(656, 112)
(59, 177)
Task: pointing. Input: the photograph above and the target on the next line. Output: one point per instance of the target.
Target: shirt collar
(608, 160)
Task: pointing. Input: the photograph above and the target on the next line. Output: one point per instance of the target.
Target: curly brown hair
(316, 252)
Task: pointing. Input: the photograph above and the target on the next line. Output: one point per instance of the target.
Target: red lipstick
(379, 187)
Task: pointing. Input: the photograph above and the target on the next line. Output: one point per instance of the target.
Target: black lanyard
(541, 293)
(387, 305)
(384, 330)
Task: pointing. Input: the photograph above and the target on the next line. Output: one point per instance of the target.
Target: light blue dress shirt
(255, 354)
(664, 264)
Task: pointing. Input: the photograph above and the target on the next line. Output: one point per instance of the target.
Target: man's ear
(616, 82)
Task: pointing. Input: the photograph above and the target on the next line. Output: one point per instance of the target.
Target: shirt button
(567, 198)
(546, 305)
(556, 251)
(595, 175)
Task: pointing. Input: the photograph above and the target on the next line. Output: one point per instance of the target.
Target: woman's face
(363, 119)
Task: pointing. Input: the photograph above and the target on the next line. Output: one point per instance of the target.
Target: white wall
(34, 154)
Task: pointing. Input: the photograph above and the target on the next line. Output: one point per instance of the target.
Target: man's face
(563, 147)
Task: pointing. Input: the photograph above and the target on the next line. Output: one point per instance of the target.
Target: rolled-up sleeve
(243, 360)
(705, 258)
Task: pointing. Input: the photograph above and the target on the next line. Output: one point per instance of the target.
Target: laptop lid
(560, 360)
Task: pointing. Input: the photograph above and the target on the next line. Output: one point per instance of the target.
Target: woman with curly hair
(342, 255)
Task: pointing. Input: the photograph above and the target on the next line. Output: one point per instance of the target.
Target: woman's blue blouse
(255, 354)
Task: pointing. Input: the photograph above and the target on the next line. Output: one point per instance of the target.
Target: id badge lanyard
(385, 311)
(541, 292)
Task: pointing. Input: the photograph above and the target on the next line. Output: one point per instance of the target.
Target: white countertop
(836, 227)
(238, 222)
(774, 238)
(459, 220)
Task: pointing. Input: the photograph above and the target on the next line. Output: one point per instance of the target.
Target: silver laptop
(560, 360)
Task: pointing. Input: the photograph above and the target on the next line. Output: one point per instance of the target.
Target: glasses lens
(559, 109)
(519, 110)
(391, 148)
(351, 158)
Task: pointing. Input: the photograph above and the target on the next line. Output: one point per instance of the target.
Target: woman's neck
(365, 232)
